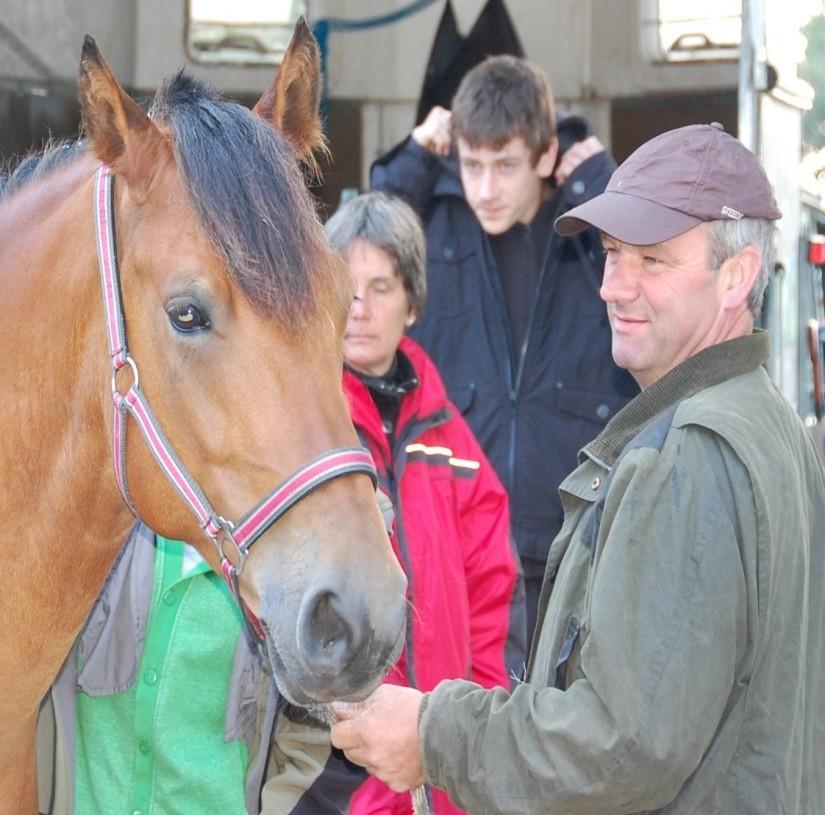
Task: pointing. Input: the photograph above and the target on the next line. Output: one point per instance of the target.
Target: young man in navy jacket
(514, 323)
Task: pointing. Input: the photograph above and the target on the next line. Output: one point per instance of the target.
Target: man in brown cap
(679, 664)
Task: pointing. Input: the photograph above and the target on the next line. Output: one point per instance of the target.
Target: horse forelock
(250, 197)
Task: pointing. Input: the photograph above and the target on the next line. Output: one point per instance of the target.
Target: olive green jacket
(679, 664)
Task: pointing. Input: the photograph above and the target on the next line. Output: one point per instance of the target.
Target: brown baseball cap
(674, 182)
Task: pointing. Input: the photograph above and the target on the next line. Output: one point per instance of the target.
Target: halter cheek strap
(239, 536)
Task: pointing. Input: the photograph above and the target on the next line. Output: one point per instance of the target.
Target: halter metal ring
(133, 365)
(225, 534)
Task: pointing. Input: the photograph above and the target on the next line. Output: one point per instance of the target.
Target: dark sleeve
(588, 179)
(332, 792)
(571, 128)
(306, 774)
(409, 171)
(591, 176)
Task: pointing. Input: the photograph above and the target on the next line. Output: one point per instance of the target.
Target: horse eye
(187, 317)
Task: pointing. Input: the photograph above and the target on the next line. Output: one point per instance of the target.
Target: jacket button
(577, 187)
(596, 483)
(448, 252)
(602, 411)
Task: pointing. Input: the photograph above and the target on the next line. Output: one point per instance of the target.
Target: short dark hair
(502, 98)
(387, 223)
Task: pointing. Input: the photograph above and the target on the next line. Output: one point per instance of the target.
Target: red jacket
(452, 538)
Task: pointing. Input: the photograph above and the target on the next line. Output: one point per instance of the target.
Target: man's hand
(433, 133)
(381, 734)
(575, 155)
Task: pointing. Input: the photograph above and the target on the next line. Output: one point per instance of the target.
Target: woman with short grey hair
(451, 531)
(388, 224)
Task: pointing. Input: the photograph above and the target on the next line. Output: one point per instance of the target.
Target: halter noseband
(241, 535)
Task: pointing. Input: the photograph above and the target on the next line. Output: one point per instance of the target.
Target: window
(240, 31)
(691, 30)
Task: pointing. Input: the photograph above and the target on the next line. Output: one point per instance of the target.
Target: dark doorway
(634, 120)
(33, 113)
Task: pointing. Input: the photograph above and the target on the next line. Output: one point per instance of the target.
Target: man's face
(664, 302)
(504, 186)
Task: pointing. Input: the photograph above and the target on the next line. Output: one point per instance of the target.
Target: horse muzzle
(342, 646)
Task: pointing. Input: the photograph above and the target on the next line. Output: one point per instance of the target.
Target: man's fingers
(576, 155)
(345, 710)
(356, 757)
(434, 132)
(342, 735)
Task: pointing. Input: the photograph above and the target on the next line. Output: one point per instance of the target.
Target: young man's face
(504, 186)
(666, 304)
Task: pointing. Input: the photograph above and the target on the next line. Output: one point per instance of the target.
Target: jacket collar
(397, 382)
(448, 181)
(709, 367)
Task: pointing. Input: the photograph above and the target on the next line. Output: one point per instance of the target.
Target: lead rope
(420, 802)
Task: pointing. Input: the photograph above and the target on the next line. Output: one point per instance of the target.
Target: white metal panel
(52, 32)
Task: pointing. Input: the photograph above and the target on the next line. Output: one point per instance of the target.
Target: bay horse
(233, 308)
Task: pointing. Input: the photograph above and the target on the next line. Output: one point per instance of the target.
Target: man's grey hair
(730, 236)
(387, 223)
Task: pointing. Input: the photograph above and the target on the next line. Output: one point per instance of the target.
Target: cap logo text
(730, 212)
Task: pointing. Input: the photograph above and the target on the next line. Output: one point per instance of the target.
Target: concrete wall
(52, 32)
(160, 34)
(591, 49)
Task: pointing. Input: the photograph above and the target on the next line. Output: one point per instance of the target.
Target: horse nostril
(331, 627)
(327, 637)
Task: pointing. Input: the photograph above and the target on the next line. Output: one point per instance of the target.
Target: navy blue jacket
(531, 411)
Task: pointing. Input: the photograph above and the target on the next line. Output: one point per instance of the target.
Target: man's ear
(547, 160)
(739, 276)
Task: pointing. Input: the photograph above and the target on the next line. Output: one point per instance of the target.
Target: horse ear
(292, 100)
(121, 134)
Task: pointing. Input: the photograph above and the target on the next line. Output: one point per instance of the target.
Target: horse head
(234, 308)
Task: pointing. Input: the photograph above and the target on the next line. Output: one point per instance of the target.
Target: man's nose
(488, 186)
(619, 281)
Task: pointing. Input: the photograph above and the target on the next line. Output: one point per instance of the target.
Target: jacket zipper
(516, 380)
(407, 434)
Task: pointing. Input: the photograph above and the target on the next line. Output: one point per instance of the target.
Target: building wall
(594, 52)
(52, 32)
(782, 316)
(160, 34)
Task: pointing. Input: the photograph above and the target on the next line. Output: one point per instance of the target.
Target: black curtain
(453, 55)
